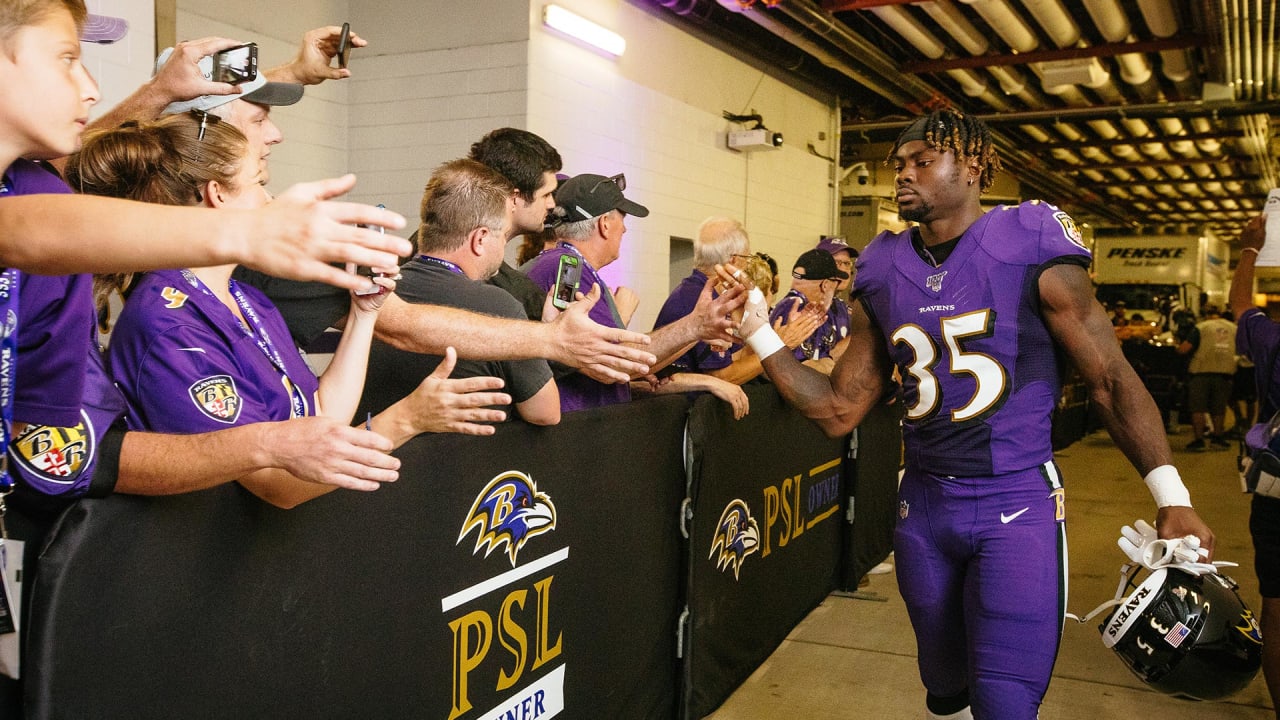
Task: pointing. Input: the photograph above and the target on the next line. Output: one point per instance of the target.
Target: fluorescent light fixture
(580, 28)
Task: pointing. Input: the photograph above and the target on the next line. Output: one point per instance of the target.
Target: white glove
(1141, 544)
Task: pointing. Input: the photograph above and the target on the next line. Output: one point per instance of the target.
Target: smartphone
(368, 272)
(567, 277)
(343, 44)
(236, 65)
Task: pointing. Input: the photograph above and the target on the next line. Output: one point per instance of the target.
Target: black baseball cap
(817, 264)
(586, 196)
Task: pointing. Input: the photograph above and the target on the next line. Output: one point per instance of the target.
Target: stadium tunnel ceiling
(1133, 115)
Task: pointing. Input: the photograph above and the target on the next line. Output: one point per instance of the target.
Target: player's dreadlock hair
(953, 130)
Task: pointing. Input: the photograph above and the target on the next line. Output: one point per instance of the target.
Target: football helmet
(1186, 635)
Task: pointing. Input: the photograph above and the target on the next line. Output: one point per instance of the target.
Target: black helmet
(1186, 635)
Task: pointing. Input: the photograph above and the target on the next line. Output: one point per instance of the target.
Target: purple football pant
(982, 566)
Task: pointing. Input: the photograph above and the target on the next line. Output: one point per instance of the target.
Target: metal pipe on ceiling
(1187, 108)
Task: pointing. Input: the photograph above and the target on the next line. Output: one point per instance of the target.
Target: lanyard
(8, 368)
(442, 263)
(261, 337)
(604, 288)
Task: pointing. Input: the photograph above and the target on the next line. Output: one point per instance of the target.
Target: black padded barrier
(380, 605)
(766, 495)
(392, 604)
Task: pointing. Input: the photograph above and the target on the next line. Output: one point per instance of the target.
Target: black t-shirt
(308, 308)
(395, 373)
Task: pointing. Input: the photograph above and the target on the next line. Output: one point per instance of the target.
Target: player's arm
(313, 63)
(1252, 238)
(572, 338)
(1080, 327)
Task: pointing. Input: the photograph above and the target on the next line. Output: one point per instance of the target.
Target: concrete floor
(856, 658)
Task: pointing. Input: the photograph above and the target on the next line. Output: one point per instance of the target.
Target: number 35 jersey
(979, 369)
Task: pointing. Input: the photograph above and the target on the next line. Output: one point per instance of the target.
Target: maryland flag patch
(54, 458)
(216, 397)
(1069, 229)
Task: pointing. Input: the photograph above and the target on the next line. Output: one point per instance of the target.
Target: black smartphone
(236, 65)
(567, 277)
(344, 44)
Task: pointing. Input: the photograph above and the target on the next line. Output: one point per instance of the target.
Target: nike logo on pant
(1006, 519)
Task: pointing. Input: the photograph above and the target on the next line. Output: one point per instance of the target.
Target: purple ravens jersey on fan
(187, 365)
(979, 372)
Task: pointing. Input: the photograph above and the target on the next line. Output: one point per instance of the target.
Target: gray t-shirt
(394, 373)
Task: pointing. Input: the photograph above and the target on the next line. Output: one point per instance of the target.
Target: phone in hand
(236, 65)
(567, 277)
(368, 272)
(344, 44)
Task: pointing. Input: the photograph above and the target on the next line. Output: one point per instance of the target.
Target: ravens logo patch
(216, 397)
(54, 458)
(1070, 230)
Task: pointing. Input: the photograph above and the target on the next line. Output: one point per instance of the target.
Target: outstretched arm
(438, 404)
(837, 403)
(296, 236)
(1080, 327)
(314, 62)
(572, 338)
(315, 449)
(710, 321)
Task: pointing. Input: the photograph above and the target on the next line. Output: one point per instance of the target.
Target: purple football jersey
(187, 365)
(979, 370)
(577, 391)
(55, 322)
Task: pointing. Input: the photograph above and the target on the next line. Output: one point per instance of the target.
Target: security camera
(861, 172)
(777, 139)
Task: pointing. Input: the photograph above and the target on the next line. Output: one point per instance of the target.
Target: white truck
(1156, 275)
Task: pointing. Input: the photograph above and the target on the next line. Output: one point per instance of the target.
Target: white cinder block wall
(121, 67)
(440, 73)
(656, 114)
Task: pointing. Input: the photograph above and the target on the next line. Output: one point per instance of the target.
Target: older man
(593, 211)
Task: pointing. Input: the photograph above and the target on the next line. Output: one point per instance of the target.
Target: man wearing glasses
(591, 214)
(720, 241)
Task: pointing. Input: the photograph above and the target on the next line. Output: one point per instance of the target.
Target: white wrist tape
(1166, 487)
(765, 341)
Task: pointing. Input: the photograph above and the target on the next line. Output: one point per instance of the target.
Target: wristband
(765, 341)
(1253, 250)
(1166, 487)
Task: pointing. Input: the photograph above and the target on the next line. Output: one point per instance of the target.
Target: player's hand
(1177, 521)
